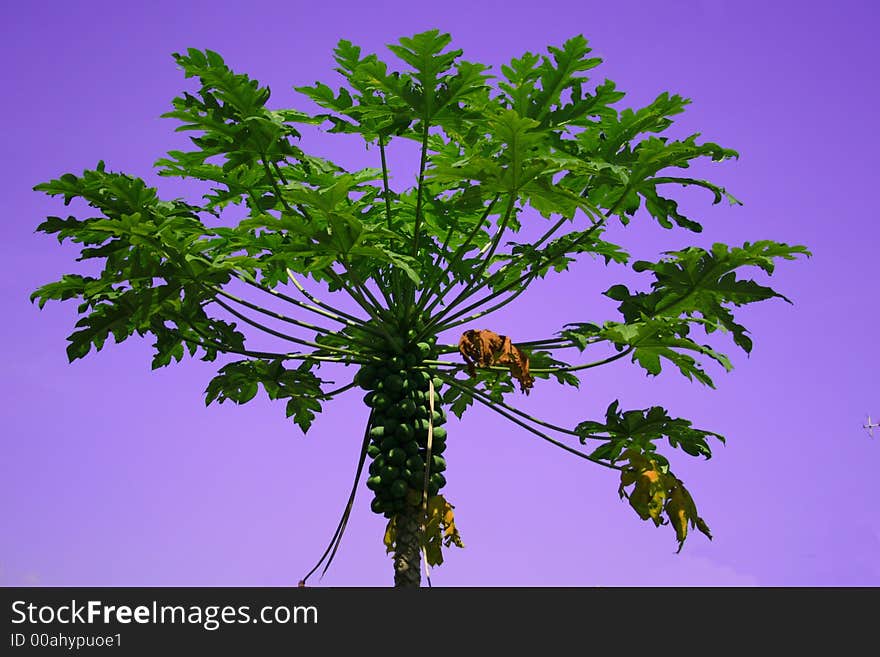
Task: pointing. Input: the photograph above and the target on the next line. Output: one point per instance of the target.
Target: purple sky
(114, 475)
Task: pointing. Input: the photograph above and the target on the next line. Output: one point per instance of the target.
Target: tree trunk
(407, 567)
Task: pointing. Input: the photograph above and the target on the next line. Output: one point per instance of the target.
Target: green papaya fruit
(405, 432)
(389, 473)
(419, 378)
(381, 401)
(396, 456)
(398, 488)
(393, 383)
(360, 379)
(406, 408)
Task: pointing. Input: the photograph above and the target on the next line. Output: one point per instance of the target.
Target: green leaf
(653, 340)
(694, 281)
(536, 91)
(69, 287)
(581, 334)
(239, 382)
(640, 429)
(544, 360)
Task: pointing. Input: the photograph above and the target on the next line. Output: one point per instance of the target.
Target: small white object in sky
(870, 426)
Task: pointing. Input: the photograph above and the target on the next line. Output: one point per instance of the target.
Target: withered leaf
(439, 530)
(390, 537)
(682, 511)
(485, 348)
(649, 494)
(657, 491)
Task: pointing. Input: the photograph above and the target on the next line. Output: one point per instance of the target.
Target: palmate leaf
(493, 383)
(154, 272)
(424, 53)
(694, 280)
(113, 194)
(387, 103)
(433, 98)
(457, 401)
(612, 140)
(454, 215)
(691, 287)
(516, 145)
(230, 111)
(566, 195)
(639, 429)
(655, 154)
(662, 338)
(374, 114)
(656, 491)
(543, 365)
(534, 90)
(603, 166)
(239, 382)
(557, 255)
(580, 334)
(70, 286)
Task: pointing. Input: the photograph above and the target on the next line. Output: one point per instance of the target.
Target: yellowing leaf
(439, 530)
(682, 511)
(677, 513)
(657, 491)
(390, 535)
(649, 494)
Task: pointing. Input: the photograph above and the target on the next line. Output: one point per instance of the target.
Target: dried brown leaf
(485, 348)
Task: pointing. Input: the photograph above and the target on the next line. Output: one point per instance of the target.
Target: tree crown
(425, 260)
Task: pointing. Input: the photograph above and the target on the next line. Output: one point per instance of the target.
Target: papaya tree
(419, 271)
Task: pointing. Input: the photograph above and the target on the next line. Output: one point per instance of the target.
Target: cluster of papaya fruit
(398, 393)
